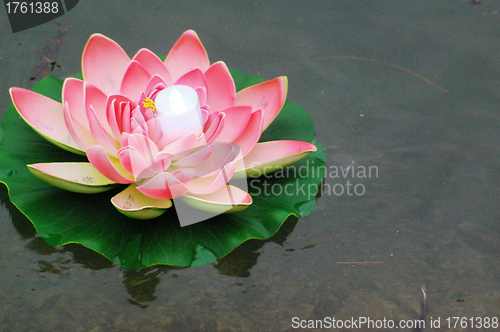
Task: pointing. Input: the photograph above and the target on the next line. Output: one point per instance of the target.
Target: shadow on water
(141, 284)
(241, 260)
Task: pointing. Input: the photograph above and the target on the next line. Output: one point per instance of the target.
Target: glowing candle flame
(177, 107)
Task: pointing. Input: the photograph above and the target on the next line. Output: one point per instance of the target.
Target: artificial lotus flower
(113, 117)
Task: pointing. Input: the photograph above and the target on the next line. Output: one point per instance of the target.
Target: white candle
(178, 107)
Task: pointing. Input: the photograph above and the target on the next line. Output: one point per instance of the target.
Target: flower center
(148, 103)
(178, 107)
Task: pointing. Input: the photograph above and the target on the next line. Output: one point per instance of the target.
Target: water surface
(412, 88)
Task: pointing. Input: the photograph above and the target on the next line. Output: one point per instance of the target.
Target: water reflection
(21, 223)
(140, 284)
(241, 260)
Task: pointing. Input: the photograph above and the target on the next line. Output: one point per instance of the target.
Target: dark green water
(411, 88)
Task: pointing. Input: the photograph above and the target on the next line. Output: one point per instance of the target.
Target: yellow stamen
(148, 103)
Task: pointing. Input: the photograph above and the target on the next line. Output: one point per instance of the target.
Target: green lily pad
(61, 217)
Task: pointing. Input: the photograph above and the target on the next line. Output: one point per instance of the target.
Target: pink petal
(225, 200)
(136, 128)
(187, 54)
(144, 145)
(142, 98)
(124, 139)
(202, 95)
(154, 131)
(163, 161)
(220, 155)
(135, 81)
(194, 79)
(126, 110)
(112, 108)
(214, 126)
(220, 87)
(45, 116)
(184, 174)
(114, 113)
(153, 64)
(163, 186)
(194, 158)
(82, 136)
(148, 114)
(104, 63)
(268, 96)
(153, 82)
(124, 154)
(110, 169)
(210, 184)
(132, 160)
(160, 163)
(235, 121)
(204, 114)
(251, 135)
(101, 137)
(177, 142)
(271, 156)
(74, 94)
(137, 116)
(98, 100)
(223, 161)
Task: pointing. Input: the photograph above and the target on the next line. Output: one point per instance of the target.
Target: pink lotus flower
(111, 117)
